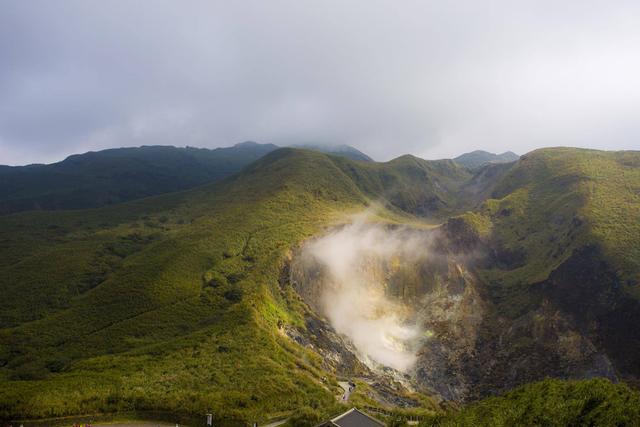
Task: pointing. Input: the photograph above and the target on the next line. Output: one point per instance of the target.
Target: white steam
(358, 259)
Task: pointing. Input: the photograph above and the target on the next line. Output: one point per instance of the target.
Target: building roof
(355, 418)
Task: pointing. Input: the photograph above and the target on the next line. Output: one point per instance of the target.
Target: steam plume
(357, 261)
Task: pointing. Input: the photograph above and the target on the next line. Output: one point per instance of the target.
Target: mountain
(202, 301)
(339, 150)
(478, 158)
(564, 265)
(118, 175)
(112, 176)
(408, 183)
(170, 302)
(540, 279)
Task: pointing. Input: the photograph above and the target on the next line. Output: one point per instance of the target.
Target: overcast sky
(430, 78)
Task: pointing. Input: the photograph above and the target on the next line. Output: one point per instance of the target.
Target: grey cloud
(425, 77)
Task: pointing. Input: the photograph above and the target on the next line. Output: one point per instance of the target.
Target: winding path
(276, 423)
(347, 390)
(134, 424)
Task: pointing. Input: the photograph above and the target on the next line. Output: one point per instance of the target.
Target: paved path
(134, 424)
(347, 390)
(276, 423)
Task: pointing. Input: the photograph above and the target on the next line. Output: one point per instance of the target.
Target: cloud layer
(430, 78)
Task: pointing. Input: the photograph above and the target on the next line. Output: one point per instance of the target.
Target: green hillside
(112, 176)
(168, 303)
(564, 263)
(429, 189)
(552, 403)
(479, 158)
(559, 200)
(342, 150)
(176, 302)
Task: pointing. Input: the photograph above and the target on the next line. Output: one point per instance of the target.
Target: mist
(356, 261)
(433, 79)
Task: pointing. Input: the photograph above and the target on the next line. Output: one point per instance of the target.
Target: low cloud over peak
(433, 79)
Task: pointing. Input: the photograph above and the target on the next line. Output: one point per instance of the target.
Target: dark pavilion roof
(353, 418)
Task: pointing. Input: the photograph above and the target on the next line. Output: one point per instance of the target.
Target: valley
(433, 286)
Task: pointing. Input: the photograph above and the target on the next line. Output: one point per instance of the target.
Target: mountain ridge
(478, 158)
(111, 176)
(182, 302)
(343, 150)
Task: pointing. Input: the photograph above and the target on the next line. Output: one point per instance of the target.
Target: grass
(112, 176)
(596, 402)
(169, 303)
(553, 202)
(172, 303)
(121, 313)
(412, 185)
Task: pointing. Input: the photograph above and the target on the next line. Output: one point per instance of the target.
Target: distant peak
(479, 158)
(246, 144)
(342, 150)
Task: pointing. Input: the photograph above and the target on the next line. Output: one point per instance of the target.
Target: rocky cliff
(420, 291)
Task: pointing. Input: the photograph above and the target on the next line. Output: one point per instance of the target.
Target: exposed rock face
(432, 290)
(466, 348)
(542, 343)
(452, 312)
(339, 356)
(593, 297)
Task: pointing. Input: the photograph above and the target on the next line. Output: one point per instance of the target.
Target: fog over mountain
(273, 212)
(434, 79)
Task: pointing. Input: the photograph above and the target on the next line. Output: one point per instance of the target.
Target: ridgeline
(176, 302)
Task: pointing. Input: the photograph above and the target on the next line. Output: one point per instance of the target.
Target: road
(347, 390)
(134, 424)
(276, 423)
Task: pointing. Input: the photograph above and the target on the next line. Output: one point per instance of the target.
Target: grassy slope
(551, 203)
(420, 187)
(111, 176)
(595, 402)
(172, 302)
(479, 158)
(185, 321)
(557, 200)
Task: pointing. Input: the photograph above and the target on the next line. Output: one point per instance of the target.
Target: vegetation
(595, 402)
(479, 158)
(428, 189)
(168, 303)
(339, 150)
(554, 202)
(173, 302)
(112, 176)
